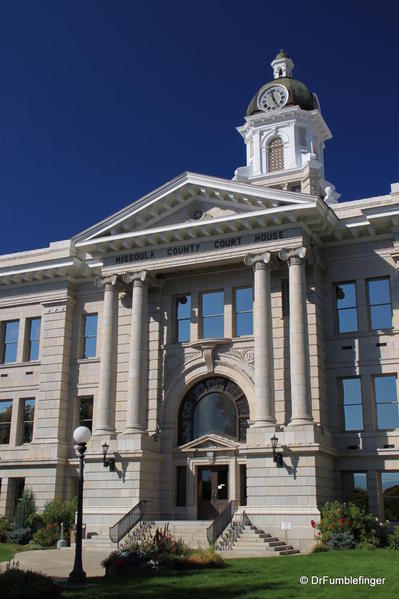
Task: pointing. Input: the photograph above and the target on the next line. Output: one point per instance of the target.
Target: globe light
(81, 434)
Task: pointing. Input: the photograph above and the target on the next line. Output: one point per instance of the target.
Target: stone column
(104, 419)
(138, 353)
(263, 337)
(301, 403)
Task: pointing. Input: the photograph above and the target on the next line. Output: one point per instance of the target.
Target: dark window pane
(360, 480)
(379, 292)
(213, 303)
(29, 415)
(10, 353)
(5, 421)
(381, 317)
(222, 485)
(34, 350)
(346, 295)
(244, 299)
(183, 331)
(213, 327)
(352, 391)
(352, 398)
(387, 403)
(347, 320)
(390, 492)
(86, 412)
(285, 297)
(183, 306)
(215, 413)
(11, 334)
(353, 418)
(181, 485)
(35, 328)
(388, 415)
(244, 324)
(91, 325)
(385, 388)
(90, 347)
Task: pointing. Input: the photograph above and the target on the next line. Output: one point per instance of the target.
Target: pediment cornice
(211, 442)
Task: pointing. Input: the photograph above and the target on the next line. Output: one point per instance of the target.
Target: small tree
(26, 506)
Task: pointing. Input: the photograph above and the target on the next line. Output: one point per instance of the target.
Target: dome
(298, 95)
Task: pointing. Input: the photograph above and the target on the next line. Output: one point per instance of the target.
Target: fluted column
(103, 419)
(138, 353)
(299, 342)
(263, 337)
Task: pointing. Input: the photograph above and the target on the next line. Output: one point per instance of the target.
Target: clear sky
(103, 101)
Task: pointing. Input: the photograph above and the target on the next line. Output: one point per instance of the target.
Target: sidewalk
(59, 562)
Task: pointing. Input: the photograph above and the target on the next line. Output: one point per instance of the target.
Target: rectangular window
(346, 305)
(390, 495)
(183, 318)
(351, 393)
(34, 339)
(386, 400)
(285, 297)
(355, 488)
(213, 314)
(244, 311)
(18, 490)
(90, 336)
(181, 485)
(86, 412)
(379, 296)
(29, 416)
(9, 341)
(5, 421)
(243, 484)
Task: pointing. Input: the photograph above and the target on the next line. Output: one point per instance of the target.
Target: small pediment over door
(209, 442)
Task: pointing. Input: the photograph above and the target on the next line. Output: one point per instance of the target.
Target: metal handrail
(233, 533)
(221, 521)
(127, 522)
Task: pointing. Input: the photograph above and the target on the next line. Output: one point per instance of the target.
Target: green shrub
(57, 512)
(35, 521)
(339, 517)
(47, 536)
(18, 584)
(341, 540)
(4, 528)
(394, 539)
(25, 508)
(19, 536)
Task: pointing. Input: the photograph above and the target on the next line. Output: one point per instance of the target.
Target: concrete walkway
(59, 562)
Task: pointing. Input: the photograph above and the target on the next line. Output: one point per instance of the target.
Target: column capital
(136, 277)
(258, 261)
(294, 256)
(101, 282)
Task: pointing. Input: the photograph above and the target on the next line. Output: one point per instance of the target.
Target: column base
(300, 421)
(105, 432)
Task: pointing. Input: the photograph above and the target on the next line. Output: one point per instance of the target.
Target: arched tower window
(214, 405)
(275, 155)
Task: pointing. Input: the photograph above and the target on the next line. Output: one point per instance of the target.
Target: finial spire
(282, 65)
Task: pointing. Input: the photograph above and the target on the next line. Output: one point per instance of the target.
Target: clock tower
(284, 134)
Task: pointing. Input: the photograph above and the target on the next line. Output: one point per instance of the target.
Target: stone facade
(195, 235)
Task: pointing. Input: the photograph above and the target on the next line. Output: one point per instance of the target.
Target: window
(386, 401)
(355, 488)
(181, 485)
(285, 297)
(86, 412)
(244, 316)
(275, 155)
(243, 484)
(379, 295)
(215, 413)
(345, 297)
(34, 339)
(17, 490)
(390, 495)
(28, 418)
(183, 318)
(213, 314)
(5, 421)
(10, 341)
(351, 393)
(90, 336)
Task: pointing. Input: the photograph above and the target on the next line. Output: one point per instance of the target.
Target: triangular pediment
(209, 442)
(190, 207)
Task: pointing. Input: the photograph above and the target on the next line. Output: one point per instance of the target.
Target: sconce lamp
(277, 457)
(110, 462)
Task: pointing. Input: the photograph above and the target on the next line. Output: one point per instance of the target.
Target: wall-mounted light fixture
(110, 462)
(277, 457)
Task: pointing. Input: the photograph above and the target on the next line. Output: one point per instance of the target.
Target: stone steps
(254, 542)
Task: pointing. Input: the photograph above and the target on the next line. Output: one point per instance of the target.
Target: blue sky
(103, 101)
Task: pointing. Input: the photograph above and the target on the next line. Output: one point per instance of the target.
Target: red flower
(313, 523)
(341, 520)
(332, 526)
(319, 534)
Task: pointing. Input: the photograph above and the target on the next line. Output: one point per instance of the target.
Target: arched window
(275, 155)
(214, 405)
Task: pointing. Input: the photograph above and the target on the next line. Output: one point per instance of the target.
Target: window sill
(88, 360)
(20, 364)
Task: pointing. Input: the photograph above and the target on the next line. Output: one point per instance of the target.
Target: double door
(213, 491)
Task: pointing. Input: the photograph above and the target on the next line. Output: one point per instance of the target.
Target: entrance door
(213, 491)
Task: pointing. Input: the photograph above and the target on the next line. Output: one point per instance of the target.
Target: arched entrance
(215, 411)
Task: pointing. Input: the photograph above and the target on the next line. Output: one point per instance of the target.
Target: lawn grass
(271, 578)
(8, 550)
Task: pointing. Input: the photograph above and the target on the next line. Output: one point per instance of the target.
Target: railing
(221, 521)
(127, 522)
(234, 531)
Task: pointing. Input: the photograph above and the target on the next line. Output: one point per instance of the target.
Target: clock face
(273, 98)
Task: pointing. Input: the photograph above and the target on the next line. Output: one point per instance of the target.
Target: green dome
(298, 95)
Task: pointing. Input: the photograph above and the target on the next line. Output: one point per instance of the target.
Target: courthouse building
(207, 317)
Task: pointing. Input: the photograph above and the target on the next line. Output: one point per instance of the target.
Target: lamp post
(81, 436)
(277, 457)
(110, 462)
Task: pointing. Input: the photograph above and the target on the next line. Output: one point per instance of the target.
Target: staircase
(251, 541)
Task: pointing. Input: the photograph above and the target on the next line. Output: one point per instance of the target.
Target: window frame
(338, 310)
(23, 422)
(202, 295)
(376, 404)
(83, 422)
(369, 305)
(84, 336)
(3, 344)
(342, 402)
(382, 490)
(177, 320)
(11, 402)
(28, 335)
(236, 312)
